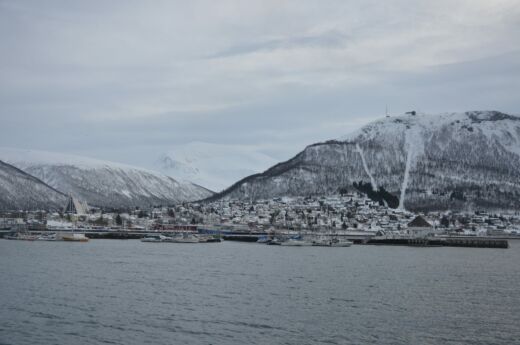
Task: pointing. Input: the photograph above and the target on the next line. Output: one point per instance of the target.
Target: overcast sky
(123, 80)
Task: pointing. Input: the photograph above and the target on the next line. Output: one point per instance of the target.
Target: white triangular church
(74, 206)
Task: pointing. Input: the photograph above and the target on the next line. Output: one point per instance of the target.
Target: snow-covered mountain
(215, 166)
(21, 191)
(101, 183)
(465, 160)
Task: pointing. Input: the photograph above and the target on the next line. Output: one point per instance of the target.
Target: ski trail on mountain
(405, 179)
(414, 145)
(372, 181)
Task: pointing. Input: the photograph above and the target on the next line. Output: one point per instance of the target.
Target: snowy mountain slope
(21, 191)
(214, 166)
(457, 161)
(103, 183)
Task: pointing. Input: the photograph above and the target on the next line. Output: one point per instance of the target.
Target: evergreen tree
(119, 220)
(445, 222)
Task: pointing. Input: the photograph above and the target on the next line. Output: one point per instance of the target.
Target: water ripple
(123, 292)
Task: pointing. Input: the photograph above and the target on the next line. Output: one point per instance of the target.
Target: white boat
(263, 239)
(326, 242)
(203, 238)
(207, 238)
(185, 238)
(156, 238)
(47, 237)
(75, 237)
(340, 243)
(296, 242)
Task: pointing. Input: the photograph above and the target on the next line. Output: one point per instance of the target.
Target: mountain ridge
(17, 191)
(425, 160)
(102, 183)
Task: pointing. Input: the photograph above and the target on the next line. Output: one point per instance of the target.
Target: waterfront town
(352, 213)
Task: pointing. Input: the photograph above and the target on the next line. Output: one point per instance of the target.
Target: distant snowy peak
(182, 167)
(215, 166)
(102, 183)
(33, 157)
(447, 161)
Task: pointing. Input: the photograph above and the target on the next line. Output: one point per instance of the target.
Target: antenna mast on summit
(386, 110)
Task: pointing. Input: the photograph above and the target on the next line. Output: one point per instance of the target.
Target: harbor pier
(469, 242)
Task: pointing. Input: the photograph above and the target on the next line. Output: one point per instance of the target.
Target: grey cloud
(123, 80)
(329, 39)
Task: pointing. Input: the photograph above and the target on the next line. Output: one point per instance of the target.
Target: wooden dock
(479, 242)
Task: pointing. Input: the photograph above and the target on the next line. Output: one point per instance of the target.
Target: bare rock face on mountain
(21, 191)
(460, 161)
(103, 184)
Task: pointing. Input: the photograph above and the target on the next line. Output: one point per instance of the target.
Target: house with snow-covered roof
(419, 227)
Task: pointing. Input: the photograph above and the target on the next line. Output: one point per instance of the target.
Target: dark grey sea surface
(128, 292)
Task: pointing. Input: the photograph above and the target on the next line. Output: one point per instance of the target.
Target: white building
(74, 206)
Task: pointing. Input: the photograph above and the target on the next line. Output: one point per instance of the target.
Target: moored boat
(74, 237)
(263, 239)
(156, 238)
(340, 243)
(296, 242)
(322, 242)
(185, 238)
(22, 237)
(208, 238)
(334, 242)
(47, 237)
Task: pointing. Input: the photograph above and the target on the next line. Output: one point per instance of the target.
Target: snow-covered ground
(59, 224)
